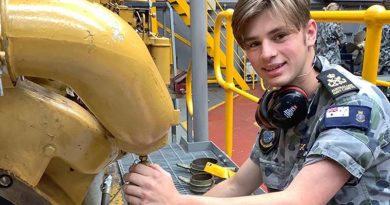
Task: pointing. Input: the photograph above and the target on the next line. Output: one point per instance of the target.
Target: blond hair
(294, 12)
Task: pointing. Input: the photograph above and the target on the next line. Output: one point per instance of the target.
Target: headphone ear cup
(261, 115)
(288, 108)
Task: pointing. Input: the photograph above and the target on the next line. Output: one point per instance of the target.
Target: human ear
(311, 32)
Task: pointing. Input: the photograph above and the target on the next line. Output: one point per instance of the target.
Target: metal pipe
(190, 130)
(173, 43)
(190, 107)
(217, 58)
(373, 42)
(164, 23)
(173, 39)
(229, 93)
(95, 52)
(374, 17)
(228, 84)
(199, 67)
(106, 189)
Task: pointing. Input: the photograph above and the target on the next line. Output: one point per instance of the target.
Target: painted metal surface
(52, 147)
(40, 126)
(98, 55)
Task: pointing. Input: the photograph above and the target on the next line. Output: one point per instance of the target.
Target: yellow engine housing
(51, 146)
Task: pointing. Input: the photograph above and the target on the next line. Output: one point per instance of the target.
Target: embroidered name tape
(336, 83)
(348, 116)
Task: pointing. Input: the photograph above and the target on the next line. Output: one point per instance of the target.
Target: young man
(332, 149)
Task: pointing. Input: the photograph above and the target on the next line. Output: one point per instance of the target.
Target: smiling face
(280, 54)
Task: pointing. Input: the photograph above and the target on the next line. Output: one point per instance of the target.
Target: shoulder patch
(348, 116)
(268, 140)
(336, 83)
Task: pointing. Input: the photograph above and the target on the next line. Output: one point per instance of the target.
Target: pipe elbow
(96, 53)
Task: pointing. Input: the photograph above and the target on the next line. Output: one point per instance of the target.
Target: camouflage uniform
(365, 154)
(329, 36)
(384, 58)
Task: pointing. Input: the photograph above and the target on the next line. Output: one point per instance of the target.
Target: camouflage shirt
(384, 58)
(329, 36)
(363, 150)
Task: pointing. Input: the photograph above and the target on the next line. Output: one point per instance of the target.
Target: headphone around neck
(286, 107)
(283, 108)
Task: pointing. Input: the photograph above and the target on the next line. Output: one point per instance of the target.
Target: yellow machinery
(140, 15)
(51, 147)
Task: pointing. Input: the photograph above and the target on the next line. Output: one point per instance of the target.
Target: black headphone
(284, 108)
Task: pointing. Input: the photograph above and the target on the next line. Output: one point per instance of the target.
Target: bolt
(144, 159)
(5, 181)
(49, 150)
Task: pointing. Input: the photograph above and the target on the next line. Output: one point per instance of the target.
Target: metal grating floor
(167, 158)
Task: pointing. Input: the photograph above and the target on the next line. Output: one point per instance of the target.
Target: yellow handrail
(242, 65)
(236, 54)
(190, 105)
(228, 84)
(178, 36)
(217, 54)
(189, 102)
(374, 17)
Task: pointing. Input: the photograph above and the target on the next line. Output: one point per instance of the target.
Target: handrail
(212, 20)
(178, 36)
(375, 16)
(383, 83)
(224, 36)
(190, 105)
(242, 66)
(228, 84)
(217, 54)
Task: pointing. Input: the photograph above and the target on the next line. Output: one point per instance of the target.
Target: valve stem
(144, 159)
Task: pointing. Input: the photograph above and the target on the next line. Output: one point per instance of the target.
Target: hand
(149, 184)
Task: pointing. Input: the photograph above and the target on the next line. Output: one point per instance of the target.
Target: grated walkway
(167, 158)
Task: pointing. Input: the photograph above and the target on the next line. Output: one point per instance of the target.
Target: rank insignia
(268, 140)
(336, 83)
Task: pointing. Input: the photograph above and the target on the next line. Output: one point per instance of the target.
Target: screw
(5, 181)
